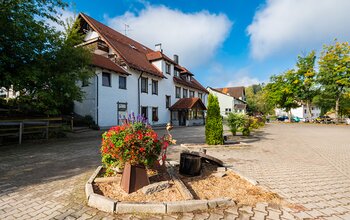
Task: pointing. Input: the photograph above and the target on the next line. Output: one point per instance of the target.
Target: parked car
(325, 119)
(296, 119)
(282, 118)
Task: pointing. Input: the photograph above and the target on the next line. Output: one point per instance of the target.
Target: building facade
(132, 78)
(227, 102)
(301, 112)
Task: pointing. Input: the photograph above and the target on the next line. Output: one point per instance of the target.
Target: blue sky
(227, 42)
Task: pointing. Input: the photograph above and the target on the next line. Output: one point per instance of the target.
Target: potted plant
(134, 145)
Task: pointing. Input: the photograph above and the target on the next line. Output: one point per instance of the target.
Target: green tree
(41, 63)
(282, 91)
(334, 72)
(257, 100)
(305, 82)
(213, 124)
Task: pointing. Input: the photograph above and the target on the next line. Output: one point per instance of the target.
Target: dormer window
(188, 78)
(176, 72)
(167, 68)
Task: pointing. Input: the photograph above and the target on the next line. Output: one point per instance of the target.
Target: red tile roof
(157, 55)
(105, 63)
(188, 103)
(233, 91)
(192, 84)
(136, 55)
(132, 52)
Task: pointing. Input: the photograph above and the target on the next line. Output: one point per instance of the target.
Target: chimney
(158, 47)
(176, 59)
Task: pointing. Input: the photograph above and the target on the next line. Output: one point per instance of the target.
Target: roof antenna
(126, 29)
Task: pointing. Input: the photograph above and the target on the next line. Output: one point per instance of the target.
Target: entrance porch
(188, 112)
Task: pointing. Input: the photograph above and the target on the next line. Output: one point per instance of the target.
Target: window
(191, 94)
(176, 72)
(174, 116)
(167, 101)
(167, 68)
(106, 79)
(304, 111)
(178, 92)
(200, 95)
(122, 82)
(155, 87)
(144, 85)
(144, 111)
(227, 110)
(312, 108)
(154, 114)
(185, 93)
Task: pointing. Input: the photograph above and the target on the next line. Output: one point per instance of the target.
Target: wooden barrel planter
(190, 165)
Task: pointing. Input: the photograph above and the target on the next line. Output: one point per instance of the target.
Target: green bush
(235, 121)
(213, 124)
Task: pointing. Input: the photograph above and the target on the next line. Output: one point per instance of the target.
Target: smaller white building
(301, 112)
(228, 103)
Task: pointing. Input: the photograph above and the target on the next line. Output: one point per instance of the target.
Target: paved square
(306, 164)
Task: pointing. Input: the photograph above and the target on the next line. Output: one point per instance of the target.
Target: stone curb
(252, 181)
(109, 205)
(93, 176)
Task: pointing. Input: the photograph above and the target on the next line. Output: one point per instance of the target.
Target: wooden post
(47, 129)
(20, 132)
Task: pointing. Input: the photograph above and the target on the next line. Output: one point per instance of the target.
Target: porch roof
(188, 103)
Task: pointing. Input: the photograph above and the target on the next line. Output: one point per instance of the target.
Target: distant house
(130, 77)
(301, 112)
(229, 103)
(8, 93)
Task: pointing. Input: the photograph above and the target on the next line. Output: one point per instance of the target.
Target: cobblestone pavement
(306, 164)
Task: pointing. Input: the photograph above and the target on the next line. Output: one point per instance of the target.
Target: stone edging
(109, 205)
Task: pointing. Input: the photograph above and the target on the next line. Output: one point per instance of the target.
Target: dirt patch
(207, 186)
(114, 191)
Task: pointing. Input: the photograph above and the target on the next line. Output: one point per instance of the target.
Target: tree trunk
(337, 111)
(308, 106)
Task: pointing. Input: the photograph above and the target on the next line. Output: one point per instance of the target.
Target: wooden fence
(21, 127)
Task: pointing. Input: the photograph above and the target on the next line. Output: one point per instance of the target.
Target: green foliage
(282, 90)
(40, 62)
(257, 100)
(306, 75)
(213, 125)
(235, 121)
(334, 73)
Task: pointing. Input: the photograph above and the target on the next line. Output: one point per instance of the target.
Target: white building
(301, 112)
(130, 77)
(227, 102)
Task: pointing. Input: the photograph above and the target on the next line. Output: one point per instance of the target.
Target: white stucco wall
(300, 112)
(225, 101)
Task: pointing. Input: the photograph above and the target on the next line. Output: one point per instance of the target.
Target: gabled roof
(188, 103)
(132, 52)
(233, 91)
(157, 55)
(193, 83)
(105, 63)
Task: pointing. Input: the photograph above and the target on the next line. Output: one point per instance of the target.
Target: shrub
(134, 142)
(235, 121)
(213, 125)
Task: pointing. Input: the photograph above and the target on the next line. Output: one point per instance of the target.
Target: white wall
(300, 112)
(225, 101)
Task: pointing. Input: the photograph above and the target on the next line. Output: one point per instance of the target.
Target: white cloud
(284, 26)
(242, 78)
(65, 15)
(195, 37)
(227, 76)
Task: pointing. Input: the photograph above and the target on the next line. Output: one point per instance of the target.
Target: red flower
(142, 149)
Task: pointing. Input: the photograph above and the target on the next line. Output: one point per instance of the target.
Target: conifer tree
(213, 125)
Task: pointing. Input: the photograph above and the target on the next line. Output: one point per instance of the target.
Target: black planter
(190, 165)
